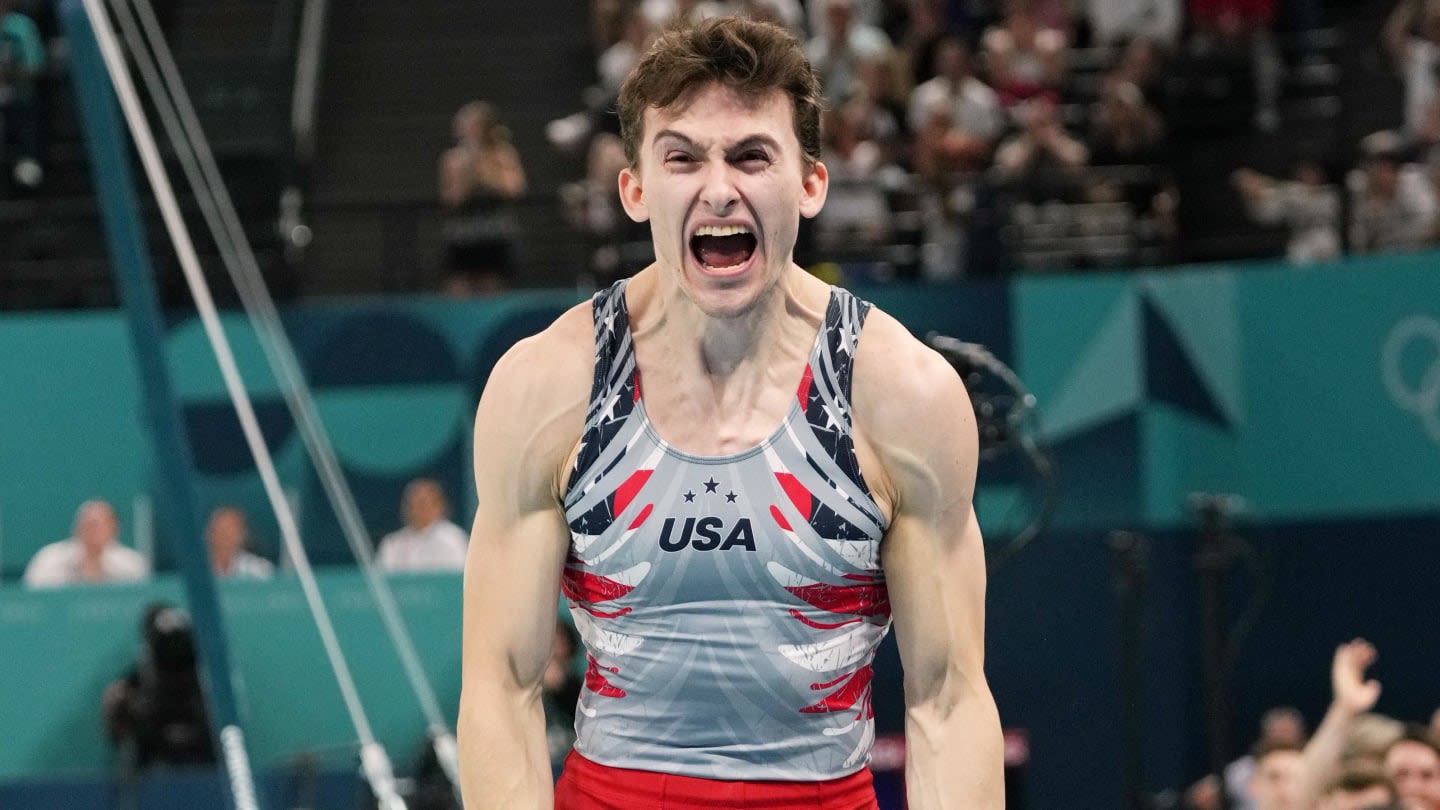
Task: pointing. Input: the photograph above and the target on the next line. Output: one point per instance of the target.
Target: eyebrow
(748, 142)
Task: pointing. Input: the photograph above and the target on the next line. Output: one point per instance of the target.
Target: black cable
(1004, 420)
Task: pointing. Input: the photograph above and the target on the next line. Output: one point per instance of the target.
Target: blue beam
(107, 144)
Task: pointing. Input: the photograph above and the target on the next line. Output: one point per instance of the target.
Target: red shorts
(586, 785)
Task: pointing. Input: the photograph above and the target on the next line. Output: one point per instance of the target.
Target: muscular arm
(528, 422)
(923, 431)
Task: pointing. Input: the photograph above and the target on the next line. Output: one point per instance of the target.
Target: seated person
(92, 553)
(227, 534)
(428, 541)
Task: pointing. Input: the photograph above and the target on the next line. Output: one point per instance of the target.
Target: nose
(719, 193)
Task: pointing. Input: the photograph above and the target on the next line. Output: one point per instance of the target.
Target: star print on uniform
(730, 497)
(689, 497)
(711, 485)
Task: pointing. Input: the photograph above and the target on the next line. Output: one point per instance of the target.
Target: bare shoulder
(532, 411)
(911, 408)
(897, 375)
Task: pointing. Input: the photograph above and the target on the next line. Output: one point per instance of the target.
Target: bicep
(512, 580)
(933, 552)
(519, 540)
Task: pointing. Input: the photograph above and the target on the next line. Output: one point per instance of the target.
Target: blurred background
(1182, 251)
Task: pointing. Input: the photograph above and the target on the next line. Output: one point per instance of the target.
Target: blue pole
(107, 144)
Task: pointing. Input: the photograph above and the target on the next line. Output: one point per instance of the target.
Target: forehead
(1412, 755)
(1279, 761)
(94, 512)
(717, 113)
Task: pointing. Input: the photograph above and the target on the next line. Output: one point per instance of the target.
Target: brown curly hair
(750, 57)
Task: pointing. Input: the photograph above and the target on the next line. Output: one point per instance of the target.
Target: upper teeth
(722, 230)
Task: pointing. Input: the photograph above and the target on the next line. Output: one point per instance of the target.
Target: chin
(729, 294)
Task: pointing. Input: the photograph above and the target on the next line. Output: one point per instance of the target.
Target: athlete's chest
(710, 415)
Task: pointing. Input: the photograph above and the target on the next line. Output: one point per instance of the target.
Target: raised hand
(1349, 688)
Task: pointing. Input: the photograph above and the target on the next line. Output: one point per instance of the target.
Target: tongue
(724, 251)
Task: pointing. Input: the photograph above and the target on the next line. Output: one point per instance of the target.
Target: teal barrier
(61, 647)
(1312, 393)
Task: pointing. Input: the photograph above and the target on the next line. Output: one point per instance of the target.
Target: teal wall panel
(63, 646)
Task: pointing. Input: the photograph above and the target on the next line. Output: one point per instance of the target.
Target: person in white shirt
(975, 109)
(227, 534)
(92, 553)
(838, 48)
(428, 541)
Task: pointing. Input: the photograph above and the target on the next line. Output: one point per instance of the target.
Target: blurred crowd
(972, 137)
(963, 137)
(1357, 759)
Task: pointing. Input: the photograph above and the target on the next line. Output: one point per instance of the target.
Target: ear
(632, 195)
(814, 189)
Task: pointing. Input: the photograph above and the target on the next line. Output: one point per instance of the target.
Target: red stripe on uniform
(806, 381)
(596, 681)
(799, 495)
(627, 491)
(644, 513)
(779, 517)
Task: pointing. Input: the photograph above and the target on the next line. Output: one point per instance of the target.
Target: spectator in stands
(1394, 206)
(918, 39)
(227, 534)
(615, 62)
(1412, 38)
(1025, 59)
(878, 80)
(92, 553)
(856, 213)
(664, 13)
(1282, 729)
(1042, 145)
(607, 22)
(480, 177)
(1358, 787)
(1412, 763)
(1240, 30)
(865, 12)
(1124, 128)
(1273, 783)
(945, 158)
(592, 207)
(1114, 22)
(1348, 737)
(787, 13)
(975, 118)
(22, 57)
(1307, 205)
(837, 49)
(428, 541)
(1141, 64)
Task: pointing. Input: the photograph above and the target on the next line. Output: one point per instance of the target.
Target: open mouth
(722, 247)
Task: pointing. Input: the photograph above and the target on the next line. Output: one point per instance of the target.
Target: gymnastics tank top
(730, 605)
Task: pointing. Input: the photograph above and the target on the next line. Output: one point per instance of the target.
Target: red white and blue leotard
(730, 606)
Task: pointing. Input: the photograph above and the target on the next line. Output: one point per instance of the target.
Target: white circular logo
(1416, 393)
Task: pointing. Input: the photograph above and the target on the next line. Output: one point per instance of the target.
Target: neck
(725, 345)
